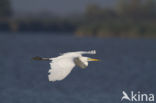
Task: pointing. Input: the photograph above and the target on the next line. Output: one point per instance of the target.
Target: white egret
(62, 65)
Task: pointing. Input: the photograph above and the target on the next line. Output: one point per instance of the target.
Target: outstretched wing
(60, 68)
(77, 53)
(73, 54)
(87, 52)
(62, 65)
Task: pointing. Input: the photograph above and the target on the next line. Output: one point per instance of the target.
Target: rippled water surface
(126, 64)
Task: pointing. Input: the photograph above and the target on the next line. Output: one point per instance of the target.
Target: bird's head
(83, 61)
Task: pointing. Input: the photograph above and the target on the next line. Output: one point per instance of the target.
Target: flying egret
(62, 65)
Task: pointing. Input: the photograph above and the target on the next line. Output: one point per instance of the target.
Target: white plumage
(61, 66)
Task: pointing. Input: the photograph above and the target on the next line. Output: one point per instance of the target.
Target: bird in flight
(61, 66)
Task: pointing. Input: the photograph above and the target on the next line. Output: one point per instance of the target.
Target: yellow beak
(90, 59)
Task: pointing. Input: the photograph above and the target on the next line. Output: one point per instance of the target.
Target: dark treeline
(130, 18)
(46, 23)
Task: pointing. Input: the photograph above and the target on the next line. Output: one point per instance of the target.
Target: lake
(126, 65)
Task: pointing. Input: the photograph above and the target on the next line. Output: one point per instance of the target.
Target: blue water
(127, 64)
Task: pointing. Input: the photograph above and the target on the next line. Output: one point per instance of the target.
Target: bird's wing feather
(60, 68)
(62, 65)
(73, 54)
(87, 52)
(79, 53)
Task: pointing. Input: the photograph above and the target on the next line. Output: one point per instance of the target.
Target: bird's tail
(40, 58)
